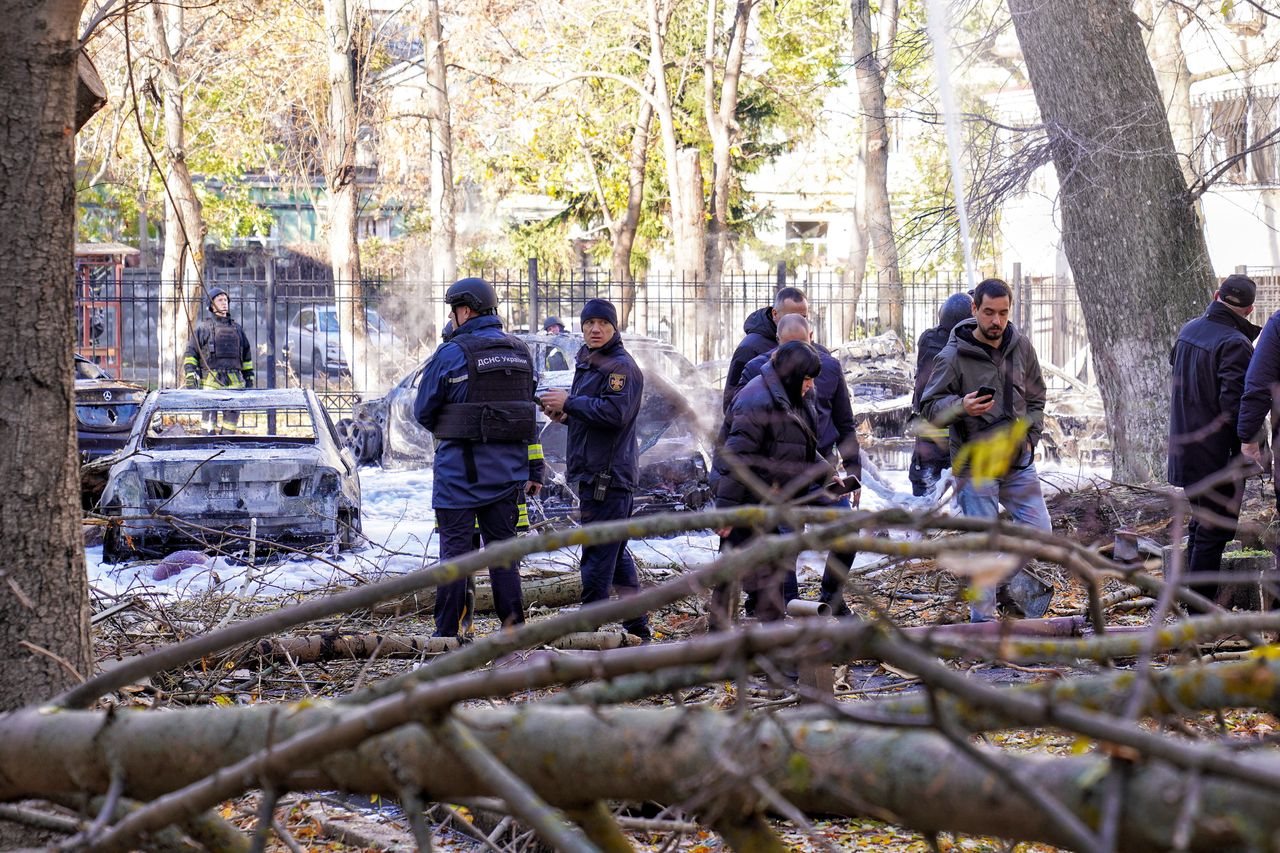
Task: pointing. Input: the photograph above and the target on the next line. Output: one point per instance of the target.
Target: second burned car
(674, 450)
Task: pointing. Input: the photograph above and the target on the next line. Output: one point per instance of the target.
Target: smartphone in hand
(986, 391)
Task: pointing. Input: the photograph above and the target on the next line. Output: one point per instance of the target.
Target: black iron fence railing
(136, 326)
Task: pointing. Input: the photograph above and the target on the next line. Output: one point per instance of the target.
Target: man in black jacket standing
(1210, 359)
(761, 327)
(601, 410)
(933, 451)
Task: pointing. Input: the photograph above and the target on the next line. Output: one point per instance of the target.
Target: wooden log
(335, 645)
(556, 590)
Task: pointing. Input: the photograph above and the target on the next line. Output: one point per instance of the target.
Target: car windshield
(187, 427)
(89, 370)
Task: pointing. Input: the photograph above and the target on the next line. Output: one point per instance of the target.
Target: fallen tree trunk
(555, 591)
(572, 757)
(335, 645)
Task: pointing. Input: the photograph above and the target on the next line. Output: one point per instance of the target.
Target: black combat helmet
(551, 321)
(475, 293)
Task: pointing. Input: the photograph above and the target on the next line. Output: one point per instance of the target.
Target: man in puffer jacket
(932, 451)
(987, 352)
(772, 443)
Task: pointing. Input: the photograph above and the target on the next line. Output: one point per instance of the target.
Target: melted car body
(105, 410)
(208, 467)
(674, 445)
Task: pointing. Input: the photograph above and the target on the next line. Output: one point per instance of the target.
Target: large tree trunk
(722, 124)
(572, 757)
(44, 613)
(444, 264)
(344, 201)
(875, 132)
(625, 226)
(854, 274)
(180, 272)
(684, 186)
(1136, 250)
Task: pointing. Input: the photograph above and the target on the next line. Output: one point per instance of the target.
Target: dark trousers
(1207, 539)
(927, 462)
(457, 537)
(768, 588)
(836, 572)
(609, 567)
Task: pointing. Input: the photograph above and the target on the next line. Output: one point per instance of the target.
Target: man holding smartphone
(601, 410)
(985, 379)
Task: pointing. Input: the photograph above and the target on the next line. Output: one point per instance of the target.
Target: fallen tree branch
(572, 757)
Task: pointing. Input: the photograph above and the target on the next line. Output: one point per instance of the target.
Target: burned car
(105, 410)
(674, 448)
(207, 467)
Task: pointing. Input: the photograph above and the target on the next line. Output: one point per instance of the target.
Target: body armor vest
(499, 404)
(224, 346)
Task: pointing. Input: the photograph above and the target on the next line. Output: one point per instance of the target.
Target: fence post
(271, 318)
(782, 275)
(1020, 294)
(534, 320)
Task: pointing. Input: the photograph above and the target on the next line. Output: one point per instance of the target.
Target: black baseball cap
(1238, 290)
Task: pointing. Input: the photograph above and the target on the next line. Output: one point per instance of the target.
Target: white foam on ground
(397, 517)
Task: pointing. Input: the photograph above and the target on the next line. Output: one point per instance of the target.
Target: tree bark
(1136, 250)
(721, 116)
(684, 181)
(444, 264)
(572, 757)
(183, 263)
(44, 613)
(875, 131)
(344, 201)
(625, 226)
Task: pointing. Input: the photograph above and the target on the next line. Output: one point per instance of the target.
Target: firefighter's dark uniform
(218, 355)
(602, 409)
(476, 396)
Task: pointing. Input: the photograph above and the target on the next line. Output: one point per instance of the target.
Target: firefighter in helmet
(218, 355)
(476, 397)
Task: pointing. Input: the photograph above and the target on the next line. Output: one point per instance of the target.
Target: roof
(251, 398)
(88, 249)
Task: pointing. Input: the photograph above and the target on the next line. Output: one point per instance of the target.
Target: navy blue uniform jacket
(603, 405)
(1259, 385)
(503, 466)
(1209, 362)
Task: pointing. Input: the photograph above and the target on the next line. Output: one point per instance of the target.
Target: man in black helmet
(555, 359)
(218, 354)
(476, 397)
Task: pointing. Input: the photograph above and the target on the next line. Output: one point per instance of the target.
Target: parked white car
(312, 343)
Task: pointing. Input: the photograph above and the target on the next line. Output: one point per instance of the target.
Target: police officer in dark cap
(218, 355)
(476, 397)
(600, 411)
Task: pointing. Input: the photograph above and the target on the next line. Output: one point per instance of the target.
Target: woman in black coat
(770, 452)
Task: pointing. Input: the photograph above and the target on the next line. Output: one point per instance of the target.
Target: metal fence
(293, 325)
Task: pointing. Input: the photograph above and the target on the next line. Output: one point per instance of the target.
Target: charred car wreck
(205, 468)
(674, 449)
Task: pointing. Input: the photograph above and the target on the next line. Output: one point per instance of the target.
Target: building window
(1233, 122)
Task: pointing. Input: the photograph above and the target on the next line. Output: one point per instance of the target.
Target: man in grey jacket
(984, 381)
